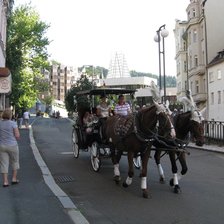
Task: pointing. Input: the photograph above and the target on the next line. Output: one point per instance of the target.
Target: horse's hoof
(117, 179)
(145, 194)
(125, 185)
(162, 180)
(177, 189)
(171, 182)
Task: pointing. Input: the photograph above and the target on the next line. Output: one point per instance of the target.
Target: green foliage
(140, 74)
(53, 62)
(26, 55)
(81, 102)
(170, 80)
(91, 70)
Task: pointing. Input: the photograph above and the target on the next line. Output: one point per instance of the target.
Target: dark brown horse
(190, 122)
(134, 134)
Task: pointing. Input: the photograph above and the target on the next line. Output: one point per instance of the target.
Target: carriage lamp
(162, 33)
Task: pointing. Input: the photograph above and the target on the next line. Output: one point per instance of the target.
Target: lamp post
(162, 33)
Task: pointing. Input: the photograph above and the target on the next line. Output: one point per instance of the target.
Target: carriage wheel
(95, 156)
(75, 146)
(137, 162)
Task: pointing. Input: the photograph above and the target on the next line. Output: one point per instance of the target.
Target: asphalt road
(101, 201)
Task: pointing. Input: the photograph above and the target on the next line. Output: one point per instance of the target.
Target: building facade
(216, 87)
(5, 75)
(198, 40)
(61, 80)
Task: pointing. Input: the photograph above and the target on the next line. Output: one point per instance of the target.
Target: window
(179, 87)
(189, 13)
(203, 57)
(223, 97)
(195, 61)
(195, 36)
(219, 74)
(219, 97)
(189, 38)
(185, 85)
(185, 66)
(211, 77)
(185, 47)
(202, 32)
(190, 61)
(196, 86)
(191, 85)
(212, 98)
(194, 12)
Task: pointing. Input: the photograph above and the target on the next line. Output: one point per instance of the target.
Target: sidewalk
(213, 148)
(32, 200)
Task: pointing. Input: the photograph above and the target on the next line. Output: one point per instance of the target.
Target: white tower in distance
(118, 67)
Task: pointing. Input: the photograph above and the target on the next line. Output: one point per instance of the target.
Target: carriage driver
(122, 108)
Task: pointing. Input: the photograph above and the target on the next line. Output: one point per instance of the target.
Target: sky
(89, 32)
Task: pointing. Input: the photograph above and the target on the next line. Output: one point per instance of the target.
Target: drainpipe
(206, 61)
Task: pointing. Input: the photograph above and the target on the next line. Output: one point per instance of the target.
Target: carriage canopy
(106, 91)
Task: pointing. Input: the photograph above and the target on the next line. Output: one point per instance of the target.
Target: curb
(75, 215)
(211, 148)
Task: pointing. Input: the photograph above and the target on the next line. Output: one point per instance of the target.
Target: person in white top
(122, 108)
(26, 117)
(103, 109)
(9, 150)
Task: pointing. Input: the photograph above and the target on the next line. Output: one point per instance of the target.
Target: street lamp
(161, 33)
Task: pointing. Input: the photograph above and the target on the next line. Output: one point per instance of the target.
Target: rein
(151, 136)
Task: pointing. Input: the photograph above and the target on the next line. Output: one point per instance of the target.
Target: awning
(4, 72)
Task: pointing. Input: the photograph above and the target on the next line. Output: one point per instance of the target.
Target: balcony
(199, 70)
(200, 97)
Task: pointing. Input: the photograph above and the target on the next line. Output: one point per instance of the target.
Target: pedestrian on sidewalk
(9, 150)
(20, 118)
(26, 117)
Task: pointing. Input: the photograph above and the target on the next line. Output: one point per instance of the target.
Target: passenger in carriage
(103, 109)
(122, 108)
(87, 125)
(88, 120)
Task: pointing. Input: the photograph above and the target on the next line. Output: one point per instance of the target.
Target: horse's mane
(144, 109)
(141, 113)
(181, 123)
(179, 117)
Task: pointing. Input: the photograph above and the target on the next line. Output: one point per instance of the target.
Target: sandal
(15, 182)
(5, 185)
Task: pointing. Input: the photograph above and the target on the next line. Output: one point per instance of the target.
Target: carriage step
(63, 179)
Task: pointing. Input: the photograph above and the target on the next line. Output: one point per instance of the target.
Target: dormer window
(194, 13)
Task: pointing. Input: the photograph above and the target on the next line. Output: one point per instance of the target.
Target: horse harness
(123, 126)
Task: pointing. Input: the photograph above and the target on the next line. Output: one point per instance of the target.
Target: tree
(81, 103)
(26, 55)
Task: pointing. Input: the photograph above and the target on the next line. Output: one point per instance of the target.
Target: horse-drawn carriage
(136, 136)
(89, 136)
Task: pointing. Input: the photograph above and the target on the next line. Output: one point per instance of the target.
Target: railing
(214, 132)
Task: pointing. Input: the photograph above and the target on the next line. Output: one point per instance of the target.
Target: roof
(4, 72)
(106, 91)
(218, 59)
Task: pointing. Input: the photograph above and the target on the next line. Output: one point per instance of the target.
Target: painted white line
(66, 153)
(75, 215)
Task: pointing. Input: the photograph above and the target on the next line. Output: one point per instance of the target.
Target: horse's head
(190, 121)
(166, 128)
(197, 127)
